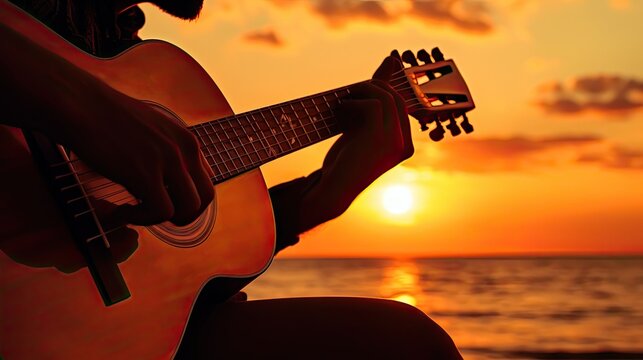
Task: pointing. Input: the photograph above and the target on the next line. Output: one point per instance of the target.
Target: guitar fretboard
(238, 143)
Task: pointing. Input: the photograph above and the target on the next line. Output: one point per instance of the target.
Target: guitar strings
(218, 165)
(222, 131)
(232, 117)
(225, 131)
(128, 197)
(232, 159)
(244, 168)
(221, 141)
(228, 150)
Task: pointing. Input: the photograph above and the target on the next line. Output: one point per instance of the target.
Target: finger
(155, 205)
(376, 90)
(206, 165)
(403, 117)
(353, 120)
(199, 169)
(202, 175)
(183, 192)
(123, 243)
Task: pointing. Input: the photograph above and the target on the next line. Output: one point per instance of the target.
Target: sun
(397, 199)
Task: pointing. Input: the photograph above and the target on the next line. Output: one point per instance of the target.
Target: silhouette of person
(292, 328)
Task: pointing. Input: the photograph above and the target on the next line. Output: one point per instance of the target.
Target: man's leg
(306, 328)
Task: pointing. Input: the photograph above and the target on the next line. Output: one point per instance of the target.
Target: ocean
(493, 308)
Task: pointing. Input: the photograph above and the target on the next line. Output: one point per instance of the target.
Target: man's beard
(184, 9)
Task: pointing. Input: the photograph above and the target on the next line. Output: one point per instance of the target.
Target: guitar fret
(238, 138)
(330, 110)
(294, 129)
(214, 154)
(285, 125)
(276, 133)
(232, 151)
(238, 143)
(223, 161)
(264, 141)
(209, 156)
(250, 138)
(299, 130)
(272, 152)
(314, 118)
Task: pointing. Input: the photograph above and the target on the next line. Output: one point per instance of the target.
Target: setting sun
(457, 196)
(397, 199)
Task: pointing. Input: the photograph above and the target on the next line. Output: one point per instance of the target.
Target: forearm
(286, 203)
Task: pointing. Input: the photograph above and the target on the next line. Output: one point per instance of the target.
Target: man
(179, 189)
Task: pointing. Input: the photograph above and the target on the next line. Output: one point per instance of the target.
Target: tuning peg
(437, 134)
(453, 127)
(423, 126)
(437, 54)
(424, 56)
(466, 125)
(409, 58)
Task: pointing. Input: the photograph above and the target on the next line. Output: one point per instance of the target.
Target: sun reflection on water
(401, 282)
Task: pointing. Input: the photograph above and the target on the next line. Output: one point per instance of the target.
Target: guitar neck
(238, 143)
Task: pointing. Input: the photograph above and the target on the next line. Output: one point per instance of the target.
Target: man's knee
(420, 332)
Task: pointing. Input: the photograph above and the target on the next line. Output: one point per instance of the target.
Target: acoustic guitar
(73, 288)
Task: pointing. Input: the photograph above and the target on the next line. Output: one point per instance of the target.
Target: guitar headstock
(434, 91)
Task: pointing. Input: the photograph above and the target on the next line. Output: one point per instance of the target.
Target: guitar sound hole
(192, 234)
(189, 235)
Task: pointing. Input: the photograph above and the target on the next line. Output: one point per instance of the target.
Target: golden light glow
(405, 298)
(397, 199)
(400, 282)
(466, 191)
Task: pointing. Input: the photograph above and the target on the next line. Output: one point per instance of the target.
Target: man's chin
(183, 9)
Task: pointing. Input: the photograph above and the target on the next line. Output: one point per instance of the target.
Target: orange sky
(555, 164)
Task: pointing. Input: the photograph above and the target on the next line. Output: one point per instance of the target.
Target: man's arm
(376, 137)
(157, 161)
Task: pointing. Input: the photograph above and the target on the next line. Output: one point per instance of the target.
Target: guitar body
(48, 313)
(71, 287)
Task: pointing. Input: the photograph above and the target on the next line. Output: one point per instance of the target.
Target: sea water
(493, 308)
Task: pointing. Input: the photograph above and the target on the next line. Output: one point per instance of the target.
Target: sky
(555, 165)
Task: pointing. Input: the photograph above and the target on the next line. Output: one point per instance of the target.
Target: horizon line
(516, 255)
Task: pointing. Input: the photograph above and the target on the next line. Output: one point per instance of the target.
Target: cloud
(604, 94)
(501, 154)
(266, 37)
(620, 4)
(463, 15)
(617, 157)
(468, 16)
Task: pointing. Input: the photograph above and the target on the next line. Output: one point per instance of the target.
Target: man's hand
(376, 137)
(157, 160)
(154, 158)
